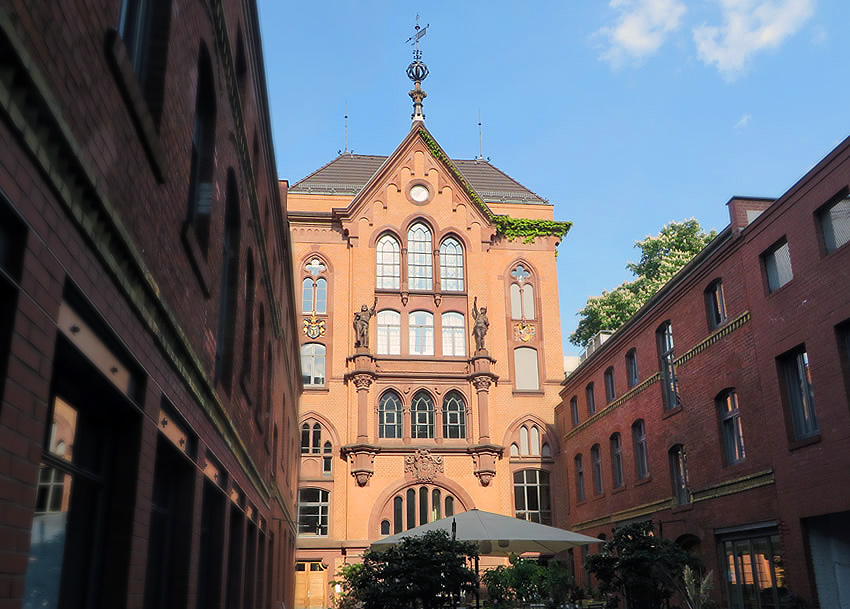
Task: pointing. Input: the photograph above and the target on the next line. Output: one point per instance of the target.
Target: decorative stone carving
(481, 325)
(314, 327)
(362, 460)
(362, 477)
(362, 381)
(484, 459)
(423, 465)
(361, 325)
(438, 298)
(482, 383)
(405, 296)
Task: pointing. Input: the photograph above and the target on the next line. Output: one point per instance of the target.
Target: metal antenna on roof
(346, 126)
(480, 139)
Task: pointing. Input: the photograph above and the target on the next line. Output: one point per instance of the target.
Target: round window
(419, 193)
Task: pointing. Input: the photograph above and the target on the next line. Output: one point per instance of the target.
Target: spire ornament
(417, 71)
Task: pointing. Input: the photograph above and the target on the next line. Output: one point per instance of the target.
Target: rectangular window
(679, 475)
(596, 464)
(730, 422)
(421, 333)
(525, 368)
(715, 305)
(754, 571)
(631, 368)
(641, 450)
(667, 360)
(591, 400)
(794, 366)
(610, 388)
(835, 225)
(616, 461)
(454, 335)
(313, 507)
(574, 410)
(531, 496)
(579, 478)
(777, 266)
(389, 333)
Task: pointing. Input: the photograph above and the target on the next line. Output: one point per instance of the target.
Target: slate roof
(348, 174)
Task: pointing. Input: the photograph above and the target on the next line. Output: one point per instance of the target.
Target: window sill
(646, 480)
(682, 507)
(128, 83)
(528, 392)
(672, 412)
(770, 293)
(196, 257)
(795, 444)
(619, 489)
(317, 388)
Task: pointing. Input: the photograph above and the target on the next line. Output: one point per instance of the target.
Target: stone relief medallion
(423, 465)
(524, 331)
(314, 327)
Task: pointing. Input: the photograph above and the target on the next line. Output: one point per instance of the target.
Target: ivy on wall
(527, 229)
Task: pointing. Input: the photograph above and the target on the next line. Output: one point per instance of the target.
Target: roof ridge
(518, 183)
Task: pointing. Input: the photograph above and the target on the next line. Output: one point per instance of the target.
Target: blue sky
(625, 114)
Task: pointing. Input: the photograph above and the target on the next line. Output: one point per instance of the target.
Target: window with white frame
(522, 293)
(532, 500)
(389, 332)
(314, 292)
(777, 266)
(667, 360)
(388, 263)
(525, 368)
(835, 224)
(454, 416)
(454, 334)
(715, 306)
(451, 265)
(313, 364)
(422, 416)
(389, 415)
(799, 394)
(421, 327)
(730, 425)
(420, 265)
(313, 506)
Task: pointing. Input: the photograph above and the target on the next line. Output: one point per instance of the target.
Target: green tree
(422, 572)
(662, 256)
(525, 581)
(638, 566)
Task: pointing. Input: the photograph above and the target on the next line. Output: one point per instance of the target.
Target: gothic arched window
(522, 293)
(314, 294)
(422, 416)
(388, 268)
(454, 416)
(420, 267)
(389, 416)
(451, 265)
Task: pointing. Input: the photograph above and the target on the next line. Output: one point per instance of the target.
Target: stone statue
(482, 324)
(361, 324)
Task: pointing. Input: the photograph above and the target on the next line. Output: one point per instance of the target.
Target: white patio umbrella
(497, 535)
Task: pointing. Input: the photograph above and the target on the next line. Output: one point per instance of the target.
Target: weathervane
(417, 71)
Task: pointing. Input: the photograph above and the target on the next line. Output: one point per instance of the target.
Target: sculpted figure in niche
(361, 325)
(482, 324)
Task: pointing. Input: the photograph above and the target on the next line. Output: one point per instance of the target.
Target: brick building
(147, 335)
(405, 418)
(720, 410)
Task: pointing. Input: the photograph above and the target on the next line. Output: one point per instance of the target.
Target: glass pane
(525, 366)
(419, 258)
(836, 225)
(523, 440)
(388, 263)
(516, 302)
(528, 301)
(307, 296)
(778, 267)
(64, 430)
(321, 296)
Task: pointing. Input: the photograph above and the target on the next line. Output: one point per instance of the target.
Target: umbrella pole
(477, 586)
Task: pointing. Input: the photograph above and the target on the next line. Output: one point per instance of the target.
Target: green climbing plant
(527, 229)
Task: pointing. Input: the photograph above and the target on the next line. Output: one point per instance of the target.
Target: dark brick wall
(780, 480)
(65, 62)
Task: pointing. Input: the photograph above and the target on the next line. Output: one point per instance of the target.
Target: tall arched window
(616, 460)
(202, 164)
(313, 364)
(454, 416)
(451, 265)
(248, 334)
(314, 293)
(422, 416)
(421, 326)
(389, 415)
(667, 360)
(596, 468)
(522, 294)
(229, 291)
(454, 334)
(641, 449)
(420, 266)
(417, 505)
(389, 332)
(388, 268)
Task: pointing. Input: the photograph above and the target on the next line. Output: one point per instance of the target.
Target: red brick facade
(776, 507)
(147, 334)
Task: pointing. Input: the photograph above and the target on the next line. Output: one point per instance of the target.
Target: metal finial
(417, 71)
(346, 127)
(480, 139)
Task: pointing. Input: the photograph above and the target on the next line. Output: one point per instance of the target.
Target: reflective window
(422, 416)
(454, 335)
(715, 305)
(531, 496)
(632, 378)
(754, 571)
(667, 359)
(799, 393)
(421, 326)
(777, 266)
(730, 423)
(596, 471)
(525, 366)
(313, 364)
(610, 388)
(389, 332)
(313, 506)
(389, 416)
(420, 266)
(641, 450)
(679, 474)
(835, 224)
(451, 265)
(454, 416)
(579, 466)
(388, 272)
(616, 461)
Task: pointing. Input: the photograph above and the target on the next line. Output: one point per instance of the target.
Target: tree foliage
(638, 566)
(662, 256)
(525, 581)
(422, 572)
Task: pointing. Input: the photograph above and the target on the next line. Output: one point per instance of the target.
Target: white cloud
(749, 26)
(743, 121)
(641, 28)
